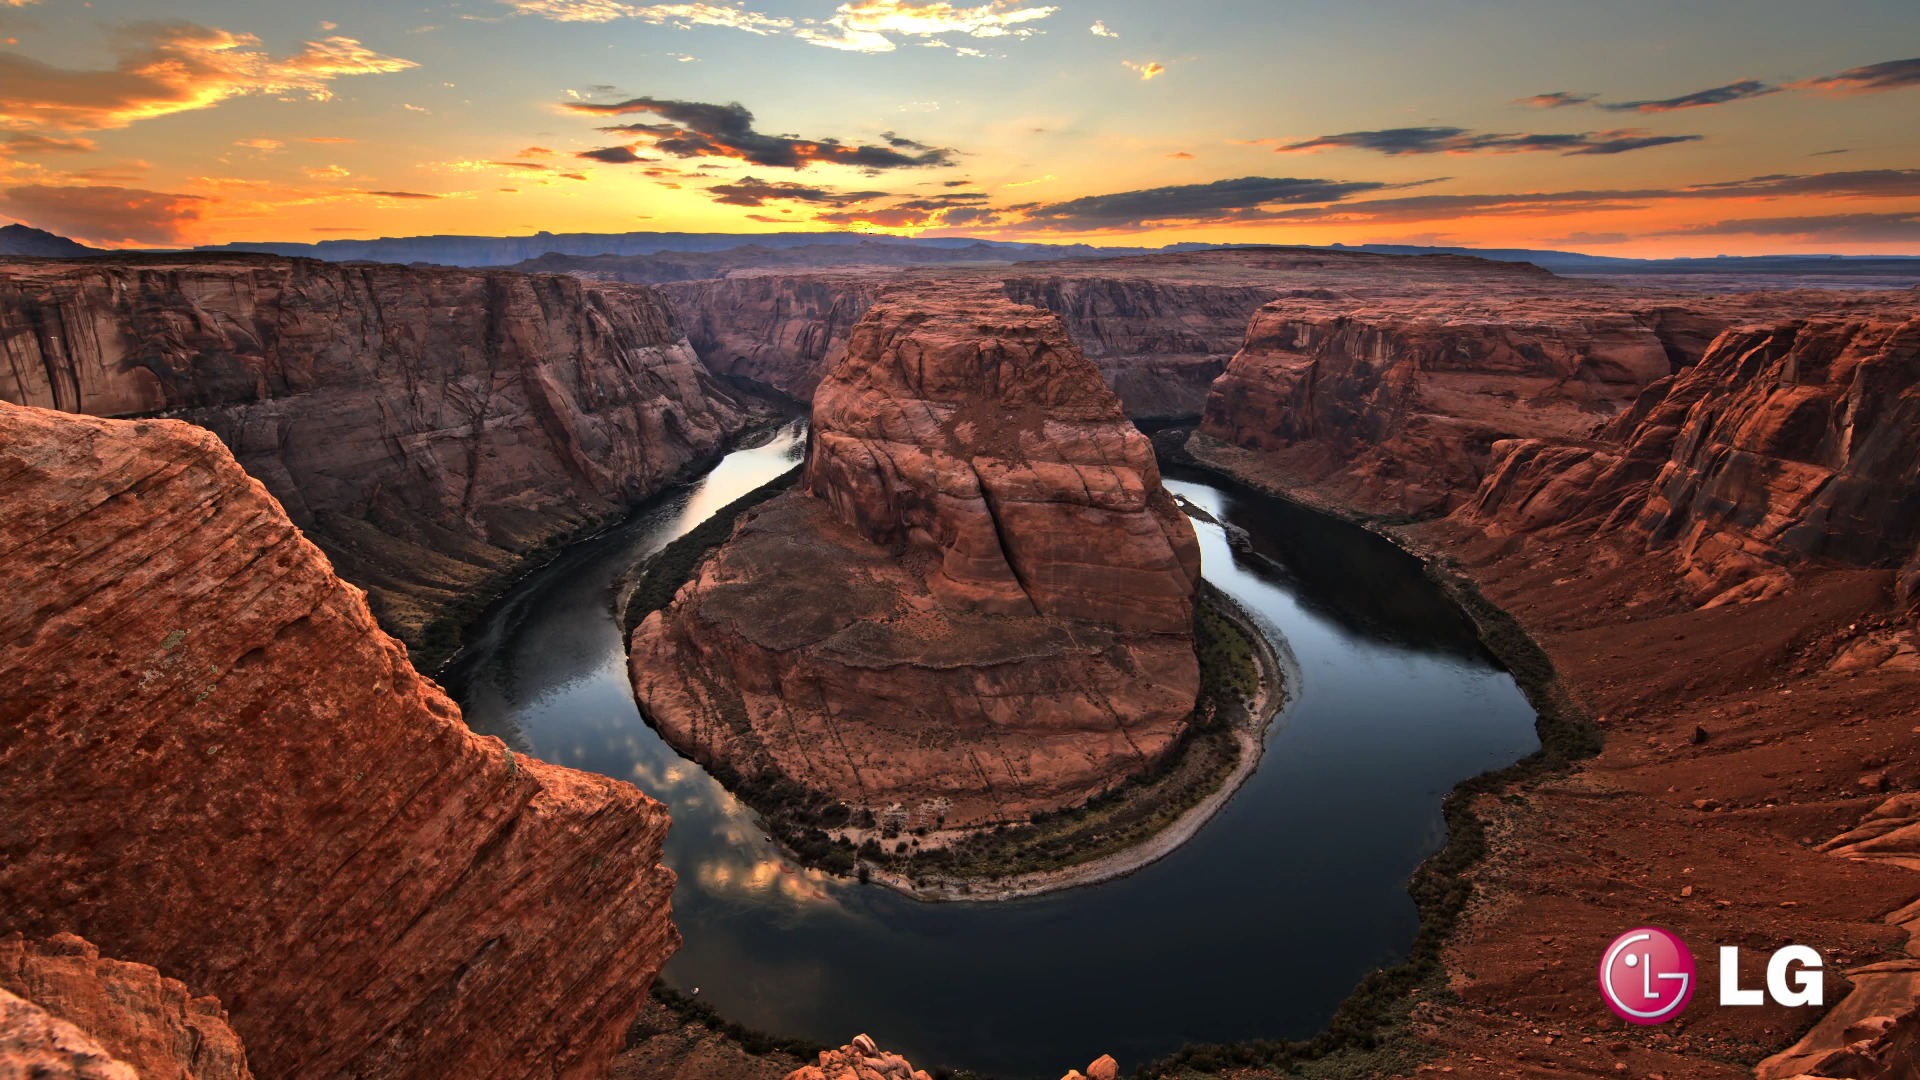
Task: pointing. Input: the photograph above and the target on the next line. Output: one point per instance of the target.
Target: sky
(1617, 127)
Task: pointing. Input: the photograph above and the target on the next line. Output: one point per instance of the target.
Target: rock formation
(782, 331)
(152, 1024)
(1787, 446)
(216, 763)
(1384, 388)
(36, 1045)
(1158, 343)
(981, 600)
(424, 427)
(862, 1060)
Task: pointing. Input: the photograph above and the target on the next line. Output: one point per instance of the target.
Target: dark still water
(1258, 927)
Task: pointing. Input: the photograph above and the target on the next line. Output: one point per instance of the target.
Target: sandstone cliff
(425, 427)
(781, 331)
(1786, 447)
(1158, 334)
(981, 601)
(216, 763)
(1159, 344)
(139, 1018)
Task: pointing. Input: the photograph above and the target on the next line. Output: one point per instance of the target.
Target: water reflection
(1303, 873)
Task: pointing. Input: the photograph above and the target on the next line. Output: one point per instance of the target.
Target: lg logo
(1647, 976)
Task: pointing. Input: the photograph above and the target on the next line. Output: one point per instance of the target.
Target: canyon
(1700, 507)
(218, 765)
(925, 625)
(428, 429)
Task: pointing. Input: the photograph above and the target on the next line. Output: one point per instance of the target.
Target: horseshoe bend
(978, 541)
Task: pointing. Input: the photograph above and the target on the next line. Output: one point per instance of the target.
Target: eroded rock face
(1787, 446)
(216, 763)
(140, 1018)
(425, 427)
(781, 331)
(982, 598)
(36, 1045)
(1384, 388)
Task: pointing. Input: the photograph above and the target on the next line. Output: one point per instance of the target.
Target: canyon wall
(1396, 408)
(1786, 447)
(216, 763)
(982, 598)
(1159, 344)
(782, 331)
(425, 427)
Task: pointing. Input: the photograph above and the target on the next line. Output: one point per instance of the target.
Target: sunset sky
(1612, 127)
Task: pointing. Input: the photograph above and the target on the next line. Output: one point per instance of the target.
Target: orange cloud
(1147, 70)
(161, 68)
(23, 145)
(105, 216)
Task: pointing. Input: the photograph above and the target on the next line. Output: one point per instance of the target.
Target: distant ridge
(26, 240)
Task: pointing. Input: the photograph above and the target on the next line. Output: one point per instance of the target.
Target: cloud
(1100, 30)
(1854, 228)
(330, 140)
(1223, 200)
(1181, 155)
(259, 144)
(1147, 70)
(752, 191)
(403, 195)
(1719, 95)
(1452, 140)
(1891, 75)
(326, 172)
(865, 25)
(696, 129)
(104, 215)
(611, 155)
(1585, 239)
(161, 68)
(1559, 99)
(683, 15)
(24, 145)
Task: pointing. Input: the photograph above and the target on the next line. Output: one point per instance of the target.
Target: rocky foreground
(427, 428)
(215, 763)
(979, 606)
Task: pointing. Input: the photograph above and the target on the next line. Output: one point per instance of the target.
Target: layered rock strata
(151, 1024)
(1787, 446)
(980, 604)
(425, 427)
(216, 763)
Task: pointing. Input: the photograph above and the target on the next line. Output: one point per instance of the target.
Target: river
(1256, 928)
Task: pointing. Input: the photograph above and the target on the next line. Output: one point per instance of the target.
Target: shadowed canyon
(1083, 569)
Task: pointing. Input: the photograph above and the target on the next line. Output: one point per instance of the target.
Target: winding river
(1256, 928)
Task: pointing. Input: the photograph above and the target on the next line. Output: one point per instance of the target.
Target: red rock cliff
(783, 331)
(984, 602)
(1787, 446)
(136, 1016)
(216, 763)
(425, 427)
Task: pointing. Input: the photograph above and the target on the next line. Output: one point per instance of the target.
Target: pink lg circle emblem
(1647, 976)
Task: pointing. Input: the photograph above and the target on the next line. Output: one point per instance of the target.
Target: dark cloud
(696, 129)
(22, 144)
(1453, 140)
(1559, 99)
(1858, 184)
(612, 155)
(1854, 228)
(1222, 200)
(1719, 95)
(104, 215)
(403, 194)
(1891, 75)
(752, 191)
